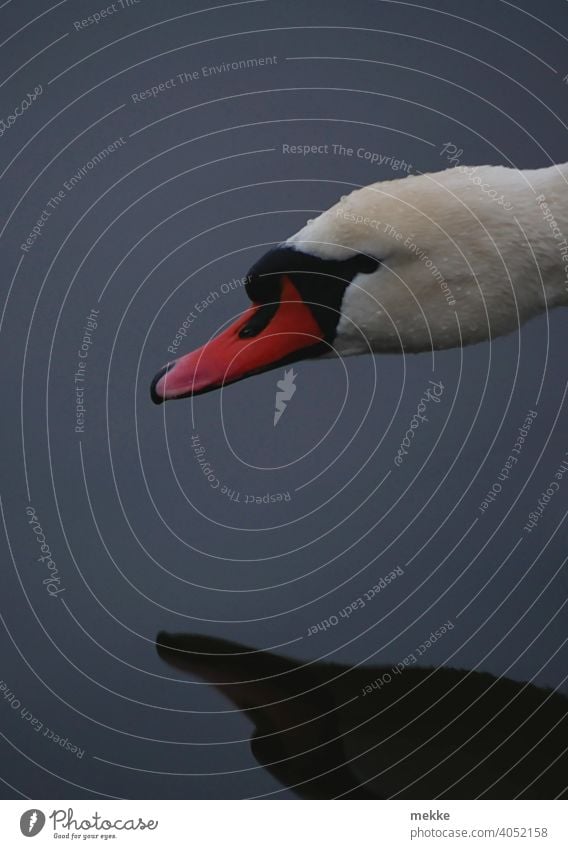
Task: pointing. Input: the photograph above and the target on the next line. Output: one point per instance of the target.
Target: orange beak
(292, 333)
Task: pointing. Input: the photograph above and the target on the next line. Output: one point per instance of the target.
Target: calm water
(287, 665)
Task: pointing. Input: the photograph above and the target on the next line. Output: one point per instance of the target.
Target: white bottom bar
(281, 825)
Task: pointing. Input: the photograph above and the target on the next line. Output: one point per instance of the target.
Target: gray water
(195, 187)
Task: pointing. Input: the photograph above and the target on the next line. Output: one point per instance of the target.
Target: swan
(328, 730)
(434, 261)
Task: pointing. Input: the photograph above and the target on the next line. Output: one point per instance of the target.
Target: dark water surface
(307, 672)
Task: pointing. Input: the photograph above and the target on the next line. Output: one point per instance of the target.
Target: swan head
(429, 261)
(296, 296)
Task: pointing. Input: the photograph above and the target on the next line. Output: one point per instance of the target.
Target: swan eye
(320, 282)
(261, 319)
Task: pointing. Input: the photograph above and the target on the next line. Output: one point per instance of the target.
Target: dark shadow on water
(423, 734)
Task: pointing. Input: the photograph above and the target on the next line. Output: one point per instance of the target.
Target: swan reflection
(328, 730)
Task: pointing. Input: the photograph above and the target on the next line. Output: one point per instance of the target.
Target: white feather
(466, 254)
